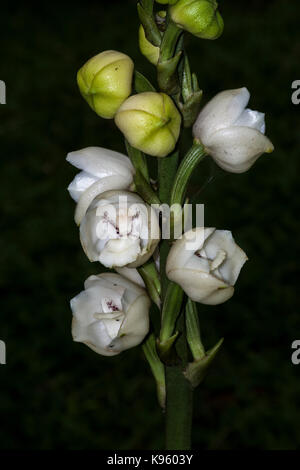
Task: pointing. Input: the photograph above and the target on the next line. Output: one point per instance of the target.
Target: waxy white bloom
(119, 229)
(232, 134)
(102, 170)
(206, 263)
(111, 314)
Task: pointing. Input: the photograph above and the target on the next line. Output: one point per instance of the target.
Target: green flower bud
(150, 122)
(198, 17)
(147, 49)
(105, 82)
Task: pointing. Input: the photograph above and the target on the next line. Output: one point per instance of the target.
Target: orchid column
(117, 203)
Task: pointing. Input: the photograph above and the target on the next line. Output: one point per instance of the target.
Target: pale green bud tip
(147, 49)
(105, 82)
(199, 17)
(150, 122)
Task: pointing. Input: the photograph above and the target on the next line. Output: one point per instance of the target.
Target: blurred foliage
(56, 394)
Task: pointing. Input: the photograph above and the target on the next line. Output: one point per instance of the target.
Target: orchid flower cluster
(119, 227)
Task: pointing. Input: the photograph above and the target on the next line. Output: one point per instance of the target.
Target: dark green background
(56, 394)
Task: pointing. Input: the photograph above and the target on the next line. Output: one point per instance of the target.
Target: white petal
(135, 325)
(100, 186)
(219, 296)
(120, 252)
(220, 112)
(115, 280)
(183, 250)
(235, 256)
(99, 339)
(236, 149)
(132, 274)
(112, 326)
(253, 119)
(80, 183)
(196, 284)
(100, 162)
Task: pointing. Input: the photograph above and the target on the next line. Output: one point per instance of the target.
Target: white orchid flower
(102, 170)
(206, 263)
(119, 229)
(111, 314)
(232, 134)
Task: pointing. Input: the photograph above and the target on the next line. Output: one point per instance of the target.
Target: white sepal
(102, 170)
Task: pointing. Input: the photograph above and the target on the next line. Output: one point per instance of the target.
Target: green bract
(105, 82)
(150, 122)
(198, 17)
(147, 49)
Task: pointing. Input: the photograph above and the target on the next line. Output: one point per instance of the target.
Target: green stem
(167, 168)
(138, 160)
(147, 19)
(167, 67)
(179, 410)
(144, 189)
(185, 170)
(179, 405)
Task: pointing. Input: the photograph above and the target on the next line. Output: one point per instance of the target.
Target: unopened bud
(198, 17)
(105, 82)
(150, 122)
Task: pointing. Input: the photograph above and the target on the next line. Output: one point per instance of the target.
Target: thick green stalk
(179, 403)
(179, 393)
(179, 410)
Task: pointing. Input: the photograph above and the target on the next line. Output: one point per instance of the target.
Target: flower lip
(119, 229)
